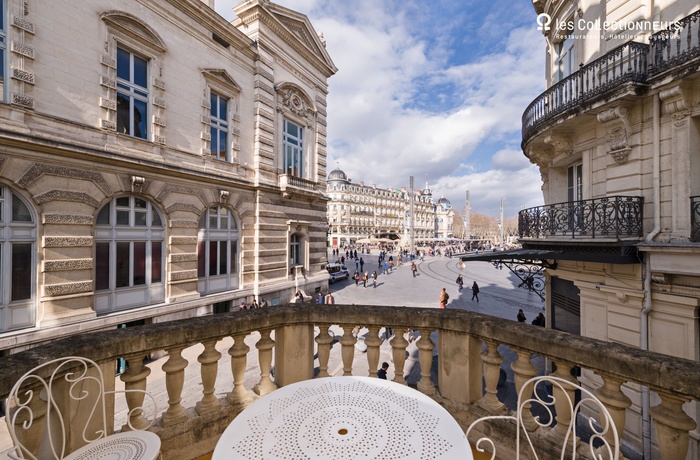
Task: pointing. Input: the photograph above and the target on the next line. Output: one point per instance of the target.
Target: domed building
(444, 215)
(358, 211)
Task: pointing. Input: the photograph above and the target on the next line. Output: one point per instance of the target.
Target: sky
(433, 89)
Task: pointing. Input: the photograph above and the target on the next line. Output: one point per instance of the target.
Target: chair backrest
(556, 400)
(56, 408)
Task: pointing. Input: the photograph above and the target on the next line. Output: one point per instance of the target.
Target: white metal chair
(47, 403)
(603, 433)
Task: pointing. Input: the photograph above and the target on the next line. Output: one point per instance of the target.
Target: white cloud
(407, 100)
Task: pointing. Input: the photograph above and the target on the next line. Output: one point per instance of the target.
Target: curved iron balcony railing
(676, 45)
(626, 63)
(608, 217)
(695, 219)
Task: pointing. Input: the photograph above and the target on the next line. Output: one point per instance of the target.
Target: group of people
(364, 277)
(253, 305)
(538, 321)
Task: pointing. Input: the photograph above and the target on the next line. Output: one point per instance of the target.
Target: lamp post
(412, 221)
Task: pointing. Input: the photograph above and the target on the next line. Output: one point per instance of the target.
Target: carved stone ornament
(294, 102)
(617, 124)
(561, 144)
(676, 101)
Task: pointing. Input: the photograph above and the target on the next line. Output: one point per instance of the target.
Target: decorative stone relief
(170, 188)
(20, 48)
(184, 224)
(22, 100)
(224, 196)
(676, 100)
(617, 124)
(160, 102)
(183, 275)
(562, 145)
(108, 61)
(108, 82)
(40, 169)
(159, 139)
(160, 121)
(52, 290)
(66, 195)
(69, 264)
(108, 103)
(183, 207)
(67, 241)
(135, 184)
(108, 125)
(190, 257)
(23, 24)
(67, 219)
(22, 75)
(295, 102)
(159, 83)
(183, 240)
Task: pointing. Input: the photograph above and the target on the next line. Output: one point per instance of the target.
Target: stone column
(616, 402)
(492, 371)
(672, 427)
(459, 375)
(425, 357)
(347, 341)
(373, 342)
(239, 362)
(134, 378)
(209, 361)
(324, 341)
(265, 346)
(524, 370)
(294, 354)
(564, 396)
(174, 369)
(398, 350)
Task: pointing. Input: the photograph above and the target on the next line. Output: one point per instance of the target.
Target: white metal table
(344, 418)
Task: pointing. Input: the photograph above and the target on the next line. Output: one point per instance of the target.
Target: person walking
(319, 297)
(414, 269)
(374, 279)
(362, 264)
(475, 291)
(357, 278)
(460, 282)
(386, 268)
(381, 373)
(364, 279)
(521, 316)
(444, 297)
(330, 300)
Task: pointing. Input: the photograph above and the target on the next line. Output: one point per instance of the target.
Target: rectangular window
(566, 62)
(201, 259)
(156, 262)
(223, 259)
(139, 263)
(219, 127)
(293, 145)
(102, 266)
(132, 94)
(21, 271)
(123, 264)
(213, 262)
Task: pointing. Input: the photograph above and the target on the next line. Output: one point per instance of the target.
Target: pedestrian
(540, 320)
(460, 282)
(444, 297)
(374, 278)
(357, 278)
(475, 291)
(362, 264)
(254, 305)
(242, 306)
(330, 300)
(263, 303)
(357, 264)
(414, 269)
(299, 297)
(391, 265)
(364, 279)
(521, 316)
(319, 297)
(381, 373)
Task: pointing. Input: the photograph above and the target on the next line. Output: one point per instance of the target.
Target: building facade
(358, 211)
(616, 138)
(156, 162)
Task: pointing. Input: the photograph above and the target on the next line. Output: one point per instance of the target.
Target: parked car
(337, 272)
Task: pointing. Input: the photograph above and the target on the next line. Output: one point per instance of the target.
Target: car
(337, 272)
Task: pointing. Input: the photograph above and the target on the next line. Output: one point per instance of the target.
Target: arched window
(217, 251)
(17, 262)
(129, 237)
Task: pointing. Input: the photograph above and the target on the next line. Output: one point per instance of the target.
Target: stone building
(156, 162)
(616, 138)
(358, 211)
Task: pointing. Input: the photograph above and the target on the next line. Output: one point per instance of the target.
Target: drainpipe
(646, 418)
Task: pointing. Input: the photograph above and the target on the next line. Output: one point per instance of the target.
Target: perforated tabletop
(344, 418)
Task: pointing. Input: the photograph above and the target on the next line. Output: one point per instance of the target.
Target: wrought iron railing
(695, 219)
(608, 217)
(626, 63)
(675, 45)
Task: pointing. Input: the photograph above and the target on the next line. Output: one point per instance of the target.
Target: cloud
(432, 92)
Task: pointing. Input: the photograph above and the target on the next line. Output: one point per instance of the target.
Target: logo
(543, 21)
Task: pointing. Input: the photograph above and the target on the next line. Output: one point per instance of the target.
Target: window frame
(296, 144)
(13, 233)
(133, 90)
(220, 125)
(566, 54)
(206, 235)
(115, 234)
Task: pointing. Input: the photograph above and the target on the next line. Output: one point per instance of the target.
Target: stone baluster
(373, 342)
(672, 427)
(425, 358)
(209, 360)
(524, 370)
(347, 342)
(265, 346)
(492, 372)
(324, 341)
(239, 361)
(134, 378)
(398, 349)
(564, 400)
(174, 369)
(616, 402)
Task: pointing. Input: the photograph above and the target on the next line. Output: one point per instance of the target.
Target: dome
(445, 203)
(337, 174)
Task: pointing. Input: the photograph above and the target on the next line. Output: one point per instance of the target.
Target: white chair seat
(130, 445)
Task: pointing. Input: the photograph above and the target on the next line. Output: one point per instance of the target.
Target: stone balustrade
(467, 349)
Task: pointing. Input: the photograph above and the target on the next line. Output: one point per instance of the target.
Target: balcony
(193, 416)
(695, 219)
(293, 184)
(674, 51)
(614, 217)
